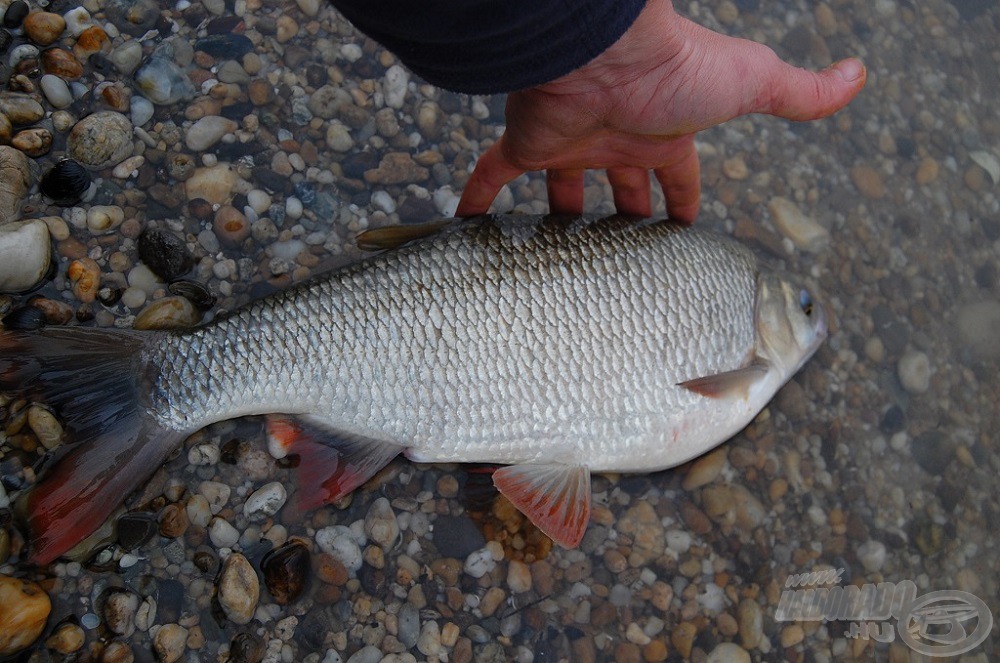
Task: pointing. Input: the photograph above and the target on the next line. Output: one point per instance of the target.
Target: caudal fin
(97, 382)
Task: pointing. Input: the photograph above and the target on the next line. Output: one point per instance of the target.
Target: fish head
(791, 325)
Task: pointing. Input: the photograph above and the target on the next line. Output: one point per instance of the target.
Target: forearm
(489, 46)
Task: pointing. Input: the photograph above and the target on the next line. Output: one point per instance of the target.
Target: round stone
(101, 140)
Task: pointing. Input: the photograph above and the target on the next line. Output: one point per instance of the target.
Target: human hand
(637, 106)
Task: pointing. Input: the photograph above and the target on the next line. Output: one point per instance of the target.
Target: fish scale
(553, 347)
(489, 343)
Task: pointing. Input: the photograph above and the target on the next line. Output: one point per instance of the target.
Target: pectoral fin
(730, 383)
(556, 498)
(332, 463)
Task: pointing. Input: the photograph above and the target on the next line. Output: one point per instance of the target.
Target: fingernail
(850, 69)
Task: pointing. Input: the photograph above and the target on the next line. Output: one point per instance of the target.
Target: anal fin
(555, 497)
(332, 464)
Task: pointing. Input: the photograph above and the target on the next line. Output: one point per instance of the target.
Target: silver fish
(553, 347)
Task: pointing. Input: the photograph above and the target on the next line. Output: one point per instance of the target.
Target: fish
(549, 347)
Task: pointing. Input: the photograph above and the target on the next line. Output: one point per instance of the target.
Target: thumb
(799, 94)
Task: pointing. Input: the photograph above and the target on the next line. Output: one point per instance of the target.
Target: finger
(799, 94)
(631, 190)
(491, 173)
(565, 189)
(681, 182)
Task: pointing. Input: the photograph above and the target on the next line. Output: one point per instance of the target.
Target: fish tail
(97, 382)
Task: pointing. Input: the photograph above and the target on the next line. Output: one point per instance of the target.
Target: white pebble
(446, 201)
(259, 201)
(104, 218)
(56, 91)
(342, 543)
(143, 278)
(383, 201)
(266, 500)
(204, 454)
(293, 208)
(351, 52)
(198, 511)
(479, 563)
(208, 131)
(216, 493)
(24, 254)
(803, 231)
(77, 20)
(914, 370)
(872, 555)
(134, 298)
(142, 110)
(396, 82)
(128, 168)
(222, 534)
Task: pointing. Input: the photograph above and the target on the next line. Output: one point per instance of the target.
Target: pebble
(286, 571)
(198, 511)
(128, 168)
(429, 642)
(45, 426)
(173, 521)
(119, 612)
(20, 108)
(265, 501)
(35, 142)
(872, 555)
(15, 180)
(67, 639)
(208, 131)
(56, 91)
(91, 41)
(343, 544)
(168, 313)
(792, 635)
(231, 226)
(102, 219)
(927, 171)
(100, 140)
(706, 469)
(61, 63)
(804, 232)
(239, 589)
(381, 525)
(25, 252)
(751, 621)
(44, 28)
(479, 563)
(977, 323)
(914, 370)
(84, 275)
(643, 525)
(163, 82)
(222, 534)
(408, 621)
(127, 57)
(170, 642)
(868, 181)
(518, 577)
(396, 81)
(213, 184)
(24, 608)
(166, 254)
(727, 652)
(397, 168)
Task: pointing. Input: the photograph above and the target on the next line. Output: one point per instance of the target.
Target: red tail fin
(96, 380)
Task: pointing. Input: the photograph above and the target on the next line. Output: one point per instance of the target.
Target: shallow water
(877, 463)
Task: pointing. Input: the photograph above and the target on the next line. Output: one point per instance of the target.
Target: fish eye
(806, 302)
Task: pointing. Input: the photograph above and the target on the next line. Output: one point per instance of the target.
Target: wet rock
(163, 82)
(397, 168)
(343, 544)
(91, 41)
(914, 371)
(119, 612)
(168, 313)
(933, 451)
(34, 142)
(247, 648)
(751, 623)
(15, 180)
(24, 608)
(61, 63)
(518, 577)
(408, 621)
(977, 325)
(231, 225)
(643, 525)
(706, 469)
(286, 571)
(103, 219)
(173, 521)
(85, 277)
(265, 501)
(380, 524)
(213, 184)
(170, 642)
(135, 529)
(872, 555)
(100, 140)
(25, 252)
(165, 253)
(67, 639)
(804, 232)
(396, 81)
(208, 131)
(20, 108)
(868, 181)
(45, 426)
(44, 28)
(239, 589)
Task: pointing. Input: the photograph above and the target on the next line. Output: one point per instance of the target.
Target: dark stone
(135, 529)
(893, 420)
(237, 112)
(457, 536)
(895, 335)
(224, 46)
(271, 181)
(416, 210)
(798, 42)
(933, 451)
(972, 9)
(317, 75)
(24, 318)
(194, 292)
(951, 495)
(246, 648)
(165, 253)
(991, 228)
(355, 165)
(65, 183)
(986, 276)
(5, 40)
(15, 14)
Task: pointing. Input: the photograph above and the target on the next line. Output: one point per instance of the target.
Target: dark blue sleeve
(489, 46)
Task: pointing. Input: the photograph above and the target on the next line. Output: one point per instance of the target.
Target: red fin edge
(332, 464)
(556, 498)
